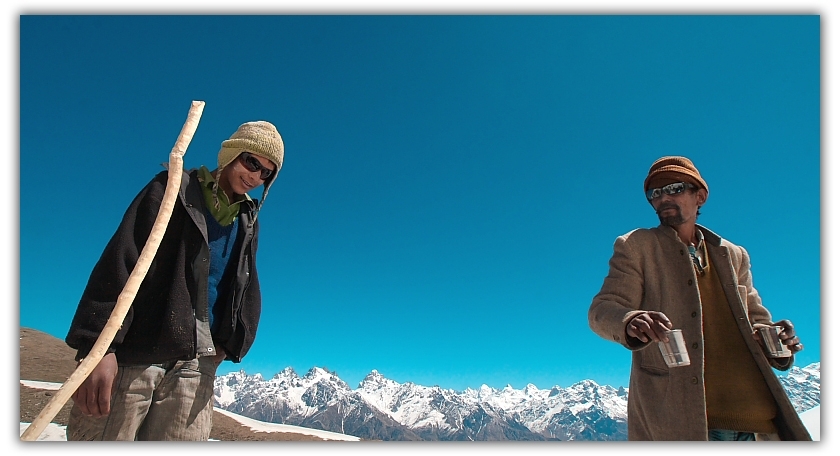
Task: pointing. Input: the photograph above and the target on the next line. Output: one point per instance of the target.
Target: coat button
(693, 314)
(690, 281)
(694, 345)
(694, 380)
(681, 252)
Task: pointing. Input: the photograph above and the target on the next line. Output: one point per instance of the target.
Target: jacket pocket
(651, 361)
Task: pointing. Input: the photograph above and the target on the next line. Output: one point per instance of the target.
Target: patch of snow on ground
(52, 433)
(41, 385)
(260, 426)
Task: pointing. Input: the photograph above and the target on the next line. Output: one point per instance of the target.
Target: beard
(670, 220)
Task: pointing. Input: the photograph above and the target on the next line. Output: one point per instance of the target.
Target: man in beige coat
(681, 275)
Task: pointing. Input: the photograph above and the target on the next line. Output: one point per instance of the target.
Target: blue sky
(452, 185)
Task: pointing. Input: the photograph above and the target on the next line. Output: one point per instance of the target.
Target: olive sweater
(737, 397)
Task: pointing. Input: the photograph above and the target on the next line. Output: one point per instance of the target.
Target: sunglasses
(252, 164)
(670, 189)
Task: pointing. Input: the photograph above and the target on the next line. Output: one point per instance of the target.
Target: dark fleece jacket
(161, 324)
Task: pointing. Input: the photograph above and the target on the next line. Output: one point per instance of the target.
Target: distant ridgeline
(383, 409)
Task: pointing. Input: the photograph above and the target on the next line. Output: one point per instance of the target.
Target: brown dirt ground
(48, 359)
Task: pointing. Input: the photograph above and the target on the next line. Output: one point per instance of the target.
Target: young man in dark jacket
(198, 304)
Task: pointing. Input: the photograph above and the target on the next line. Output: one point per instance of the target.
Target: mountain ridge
(381, 408)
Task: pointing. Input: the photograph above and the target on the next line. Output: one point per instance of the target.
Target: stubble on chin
(671, 220)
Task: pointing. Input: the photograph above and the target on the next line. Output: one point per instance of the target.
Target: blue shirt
(221, 240)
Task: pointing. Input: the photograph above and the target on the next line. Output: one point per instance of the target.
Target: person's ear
(702, 195)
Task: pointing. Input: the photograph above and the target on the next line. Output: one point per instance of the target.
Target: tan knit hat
(258, 138)
(668, 170)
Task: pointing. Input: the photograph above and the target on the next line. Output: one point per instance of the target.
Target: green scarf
(223, 210)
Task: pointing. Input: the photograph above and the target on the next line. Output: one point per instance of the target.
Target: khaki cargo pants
(170, 401)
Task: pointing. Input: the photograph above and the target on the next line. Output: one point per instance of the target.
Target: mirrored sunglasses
(252, 164)
(670, 189)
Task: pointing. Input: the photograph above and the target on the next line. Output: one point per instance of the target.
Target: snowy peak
(531, 389)
(287, 373)
(374, 375)
(374, 380)
(321, 376)
(485, 391)
(809, 373)
(317, 373)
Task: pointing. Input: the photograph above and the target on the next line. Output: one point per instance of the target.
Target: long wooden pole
(126, 297)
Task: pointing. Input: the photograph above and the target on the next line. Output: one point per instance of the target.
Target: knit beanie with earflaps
(259, 138)
(668, 170)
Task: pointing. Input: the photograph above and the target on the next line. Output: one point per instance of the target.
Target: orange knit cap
(668, 170)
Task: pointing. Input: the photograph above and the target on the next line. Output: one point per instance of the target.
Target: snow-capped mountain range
(382, 409)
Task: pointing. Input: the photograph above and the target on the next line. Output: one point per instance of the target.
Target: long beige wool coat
(651, 270)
